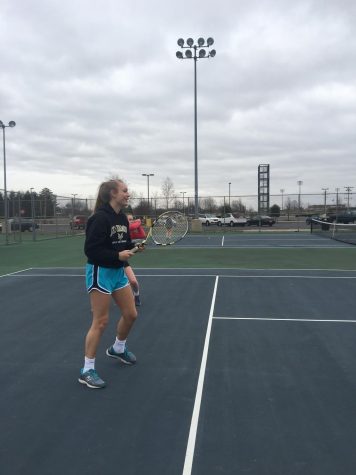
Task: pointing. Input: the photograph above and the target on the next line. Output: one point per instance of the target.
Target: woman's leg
(100, 305)
(125, 301)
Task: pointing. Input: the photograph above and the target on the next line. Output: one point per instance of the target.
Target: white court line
(218, 269)
(188, 462)
(287, 277)
(16, 272)
(46, 275)
(222, 241)
(267, 319)
(226, 276)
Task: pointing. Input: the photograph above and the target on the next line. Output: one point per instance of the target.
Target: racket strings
(169, 228)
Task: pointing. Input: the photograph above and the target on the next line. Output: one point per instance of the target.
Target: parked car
(78, 222)
(228, 219)
(344, 217)
(309, 219)
(208, 219)
(23, 224)
(260, 221)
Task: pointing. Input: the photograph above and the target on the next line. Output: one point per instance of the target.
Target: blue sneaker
(137, 301)
(91, 379)
(126, 357)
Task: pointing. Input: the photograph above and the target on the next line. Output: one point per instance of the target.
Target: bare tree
(167, 190)
(237, 206)
(208, 205)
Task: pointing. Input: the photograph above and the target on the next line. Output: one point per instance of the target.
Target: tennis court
(258, 240)
(240, 370)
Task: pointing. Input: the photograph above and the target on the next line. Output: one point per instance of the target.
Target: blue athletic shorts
(105, 279)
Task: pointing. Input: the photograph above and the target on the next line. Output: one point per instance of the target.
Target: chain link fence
(33, 216)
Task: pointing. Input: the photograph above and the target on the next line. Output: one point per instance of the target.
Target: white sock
(119, 345)
(136, 293)
(89, 363)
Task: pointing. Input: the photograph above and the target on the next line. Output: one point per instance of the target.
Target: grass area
(68, 252)
(61, 252)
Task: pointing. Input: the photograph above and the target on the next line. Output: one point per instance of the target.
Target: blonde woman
(108, 247)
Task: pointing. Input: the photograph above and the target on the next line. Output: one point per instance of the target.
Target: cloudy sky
(96, 89)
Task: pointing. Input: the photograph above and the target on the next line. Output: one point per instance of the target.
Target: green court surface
(68, 252)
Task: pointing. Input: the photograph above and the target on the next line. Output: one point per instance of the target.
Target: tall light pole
(299, 182)
(183, 193)
(348, 191)
(74, 195)
(148, 187)
(337, 201)
(282, 191)
(195, 51)
(325, 190)
(6, 213)
(33, 215)
(229, 195)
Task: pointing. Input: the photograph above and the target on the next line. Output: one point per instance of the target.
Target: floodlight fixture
(189, 54)
(202, 53)
(212, 53)
(190, 42)
(210, 41)
(201, 41)
(179, 55)
(12, 123)
(180, 42)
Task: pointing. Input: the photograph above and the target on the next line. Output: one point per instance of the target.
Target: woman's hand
(125, 255)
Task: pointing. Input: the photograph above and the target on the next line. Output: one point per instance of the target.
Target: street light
(148, 187)
(195, 51)
(183, 193)
(325, 190)
(348, 190)
(6, 214)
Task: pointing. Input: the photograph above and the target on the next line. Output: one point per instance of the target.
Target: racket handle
(138, 246)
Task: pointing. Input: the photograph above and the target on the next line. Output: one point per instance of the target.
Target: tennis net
(339, 232)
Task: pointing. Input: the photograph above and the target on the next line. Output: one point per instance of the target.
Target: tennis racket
(169, 228)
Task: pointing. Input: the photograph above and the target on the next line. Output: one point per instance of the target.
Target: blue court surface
(272, 239)
(239, 372)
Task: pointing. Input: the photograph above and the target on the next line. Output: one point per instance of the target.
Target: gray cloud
(96, 88)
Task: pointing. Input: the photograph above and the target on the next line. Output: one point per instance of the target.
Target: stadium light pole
(196, 51)
(183, 193)
(229, 194)
(6, 213)
(325, 190)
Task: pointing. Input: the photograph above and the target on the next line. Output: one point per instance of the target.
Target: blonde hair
(104, 193)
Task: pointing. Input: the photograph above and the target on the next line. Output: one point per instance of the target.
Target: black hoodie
(107, 234)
